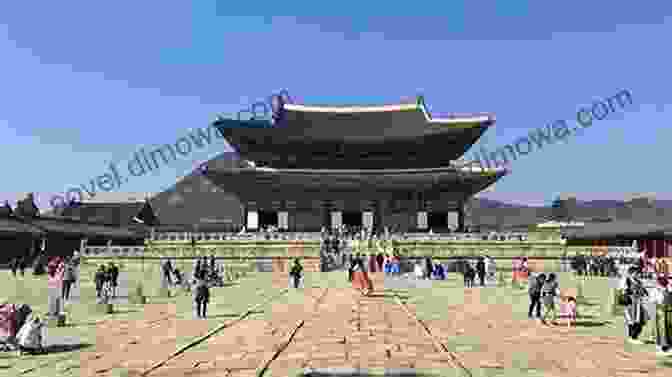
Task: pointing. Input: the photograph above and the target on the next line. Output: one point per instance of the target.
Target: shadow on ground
(591, 323)
(60, 348)
(388, 295)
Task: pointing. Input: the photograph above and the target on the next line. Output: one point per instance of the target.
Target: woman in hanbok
(360, 278)
(662, 297)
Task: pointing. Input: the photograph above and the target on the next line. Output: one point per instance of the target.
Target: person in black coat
(23, 262)
(14, 265)
(428, 268)
(535, 295)
(480, 269)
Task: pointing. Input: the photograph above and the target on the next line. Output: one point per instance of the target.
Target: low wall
(277, 255)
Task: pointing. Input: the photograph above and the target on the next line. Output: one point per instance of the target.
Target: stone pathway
(345, 330)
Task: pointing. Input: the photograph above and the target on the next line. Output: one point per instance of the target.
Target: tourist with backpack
(535, 295)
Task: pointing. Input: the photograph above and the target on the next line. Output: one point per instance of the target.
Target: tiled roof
(12, 226)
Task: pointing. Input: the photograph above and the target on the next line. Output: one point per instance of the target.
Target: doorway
(352, 219)
(437, 220)
(268, 218)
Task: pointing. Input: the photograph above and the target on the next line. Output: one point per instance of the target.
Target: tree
(559, 210)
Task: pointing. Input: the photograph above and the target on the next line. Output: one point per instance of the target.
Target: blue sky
(86, 83)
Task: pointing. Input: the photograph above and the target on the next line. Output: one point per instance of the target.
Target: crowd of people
(484, 268)
(205, 275)
(643, 305)
(596, 265)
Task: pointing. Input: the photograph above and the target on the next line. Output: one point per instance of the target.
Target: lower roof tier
(439, 179)
(282, 147)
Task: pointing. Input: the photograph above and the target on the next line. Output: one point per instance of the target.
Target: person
(535, 295)
(549, 291)
(480, 269)
(662, 298)
(23, 262)
(635, 313)
(113, 271)
(178, 276)
(360, 278)
(418, 271)
(201, 298)
(296, 273)
(439, 271)
(7, 325)
(380, 259)
(55, 271)
(68, 280)
(212, 263)
(387, 264)
(197, 269)
(351, 265)
(428, 268)
(372, 263)
(469, 275)
(166, 271)
(568, 309)
(14, 265)
(396, 264)
(99, 279)
(204, 268)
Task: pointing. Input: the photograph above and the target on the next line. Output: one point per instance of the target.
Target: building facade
(376, 167)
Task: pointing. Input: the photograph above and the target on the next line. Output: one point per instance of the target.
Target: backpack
(30, 335)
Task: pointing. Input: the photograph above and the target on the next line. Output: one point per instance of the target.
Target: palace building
(384, 166)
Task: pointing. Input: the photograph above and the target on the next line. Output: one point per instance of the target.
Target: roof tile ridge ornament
(6, 210)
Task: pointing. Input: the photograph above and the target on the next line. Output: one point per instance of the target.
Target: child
(201, 298)
(568, 310)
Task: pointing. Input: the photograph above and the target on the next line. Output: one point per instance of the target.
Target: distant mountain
(596, 204)
(601, 204)
(490, 203)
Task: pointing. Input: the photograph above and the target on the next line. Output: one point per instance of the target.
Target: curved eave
(406, 179)
(457, 120)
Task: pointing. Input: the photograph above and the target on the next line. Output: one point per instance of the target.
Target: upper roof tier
(402, 135)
